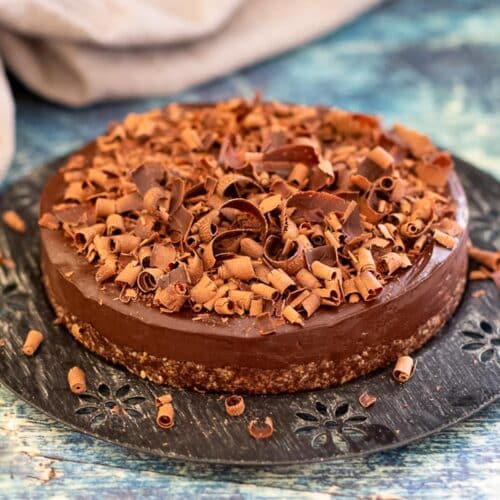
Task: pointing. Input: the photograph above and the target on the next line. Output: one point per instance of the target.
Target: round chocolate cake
(254, 246)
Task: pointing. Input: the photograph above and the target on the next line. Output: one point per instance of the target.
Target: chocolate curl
(386, 184)
(261, 431)
(73, 176)
(419, 144)
(128, 275)
(373, 208)
(162, 256)
(292, 316)
(203, 291)
(307, 279)
(261, 272)
(194, 268)
(265, 291)
(114, 225)
(249, 216)
(148, 278)
(32, 342)
(280, 280)
(192, 241)
(299, 175)
(366, 400)
(75, 192)
(129, 203)
(157, 202)
(333, 221)
(172, 298)
(165, 416)
(312, 206)
(288, 257)
(325, 254)
(351, 292)
(361, 182)
(449, 226)
(180, 224)
(251, 248)
(124, 243)
(317, 236)
(351, 221)
(365, 261)
(232, 182)
(488, 258)
(191, 138)
(333, 291)
(241, 298)
(325, 272)
(228, 156)
(378, 242)
(97, 177)
(423, 209)
(413, 229)
(270, 203)
(235, 405)
(148, 175)
(224, 245)
(165, 399)
(397, 218)
(127, 294)
(14, 221)
(49, 221)
(392, 261)
(238, 267)
(178, 193)
(206, 227)
(444, 239)
(294, 153)
(282, 187)
(256, 307)
(435, 169)
(420, 243)
(224, 306)
(311, 304)
(144, 256)
(404, 369)
(368, 285)
(85, 235)
(102, 245)
(106, 270)
(76, 380)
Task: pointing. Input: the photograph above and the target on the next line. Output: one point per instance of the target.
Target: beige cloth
(78, 52)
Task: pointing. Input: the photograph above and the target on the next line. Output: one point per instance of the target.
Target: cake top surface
(254, 208)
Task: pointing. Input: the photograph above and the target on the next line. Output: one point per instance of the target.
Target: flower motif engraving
(336, 428)
(484, 341)
(104, 404)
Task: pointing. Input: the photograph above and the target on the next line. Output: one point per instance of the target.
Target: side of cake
(253, 246)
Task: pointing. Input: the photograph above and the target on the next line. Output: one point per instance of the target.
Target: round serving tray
(458, 372)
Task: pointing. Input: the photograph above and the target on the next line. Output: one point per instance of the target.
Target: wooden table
(433, 65)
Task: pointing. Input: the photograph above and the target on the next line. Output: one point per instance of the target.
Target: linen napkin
(77, 53)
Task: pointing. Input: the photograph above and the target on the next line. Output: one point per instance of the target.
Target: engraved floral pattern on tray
(339, 428)
(105, 403)
(483, 341)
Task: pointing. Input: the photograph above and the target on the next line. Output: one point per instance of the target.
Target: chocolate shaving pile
(250, 208)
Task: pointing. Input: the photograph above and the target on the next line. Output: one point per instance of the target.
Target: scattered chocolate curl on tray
(254, 208)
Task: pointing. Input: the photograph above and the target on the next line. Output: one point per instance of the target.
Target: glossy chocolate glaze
(407, 302)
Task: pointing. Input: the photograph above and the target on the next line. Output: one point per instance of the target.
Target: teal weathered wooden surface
(434, 65)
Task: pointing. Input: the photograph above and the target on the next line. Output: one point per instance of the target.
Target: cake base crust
(295, 378)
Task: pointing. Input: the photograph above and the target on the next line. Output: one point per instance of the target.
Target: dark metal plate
(458, 372)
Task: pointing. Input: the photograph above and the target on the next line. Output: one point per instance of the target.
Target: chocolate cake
(254, 246)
